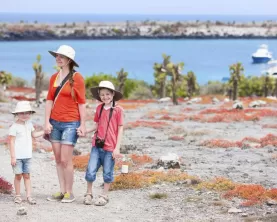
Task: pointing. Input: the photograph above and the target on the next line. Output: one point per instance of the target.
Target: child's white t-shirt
(23, 139)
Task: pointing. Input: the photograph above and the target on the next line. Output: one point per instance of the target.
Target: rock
(238, 105)
(165, 99)
(257, 103)
(234, 210)
(171, 161)
(215, 100)
(271, 202)
(22, 211)
(195, 100)
(226, 100)
(151, 137)
(76, 152)
(244, 215)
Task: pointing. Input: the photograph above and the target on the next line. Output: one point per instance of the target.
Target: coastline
(138, 30)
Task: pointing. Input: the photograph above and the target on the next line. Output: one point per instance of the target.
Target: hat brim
(21, 111)
(54, 54)
(95, 93)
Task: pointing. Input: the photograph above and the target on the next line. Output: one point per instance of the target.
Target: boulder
(165, 99)
(238, 105)
(170, 161)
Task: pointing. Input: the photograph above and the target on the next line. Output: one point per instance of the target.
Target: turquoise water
(209, 59)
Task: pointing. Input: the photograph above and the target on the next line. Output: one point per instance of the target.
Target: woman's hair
(71, 80)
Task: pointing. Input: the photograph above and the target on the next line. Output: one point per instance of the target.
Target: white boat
(262, 55)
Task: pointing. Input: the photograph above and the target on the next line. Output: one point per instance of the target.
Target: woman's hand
(81, 131)
(48, 128)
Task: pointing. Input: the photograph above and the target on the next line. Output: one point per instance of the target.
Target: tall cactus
(236, 72)
(191, 83)
(37, 67)
(121, 78)
(174, 71)
(160, 75)
(5, 78)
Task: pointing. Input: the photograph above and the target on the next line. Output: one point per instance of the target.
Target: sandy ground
(183, 202)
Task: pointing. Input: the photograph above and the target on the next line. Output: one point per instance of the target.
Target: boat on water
(262, 55)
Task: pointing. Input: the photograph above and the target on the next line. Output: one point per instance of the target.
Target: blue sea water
(209, 59)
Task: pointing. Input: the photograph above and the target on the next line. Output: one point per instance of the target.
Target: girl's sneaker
(68, 198)
(56, 197)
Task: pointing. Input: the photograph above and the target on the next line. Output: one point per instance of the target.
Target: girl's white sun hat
(23, 106)
(67, 51)
(108, 85)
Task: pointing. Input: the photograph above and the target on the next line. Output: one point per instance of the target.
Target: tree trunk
(235, 90)
(174, 97)
(162, 95)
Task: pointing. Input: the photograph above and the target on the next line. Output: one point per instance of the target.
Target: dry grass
(269, 139)
(158, 196)
(148, 124)
(142, 179)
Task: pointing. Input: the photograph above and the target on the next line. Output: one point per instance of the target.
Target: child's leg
(17, 180)
(93, 166)
(17, 170)
(27, 183)
(108, 171)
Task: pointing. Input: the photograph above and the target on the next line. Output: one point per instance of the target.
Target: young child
(21, 133)
(106, 140)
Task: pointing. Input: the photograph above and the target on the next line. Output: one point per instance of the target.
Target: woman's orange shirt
(65, 108)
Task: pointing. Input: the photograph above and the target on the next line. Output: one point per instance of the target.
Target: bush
(5, 186)
(18, 82)
(141, 92)
(212, 88)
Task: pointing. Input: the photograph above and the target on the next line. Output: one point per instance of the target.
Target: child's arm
(94, 127)
(36, 134)
(12, 152)
(119, 138)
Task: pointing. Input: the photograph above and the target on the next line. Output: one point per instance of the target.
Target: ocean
(208, 59)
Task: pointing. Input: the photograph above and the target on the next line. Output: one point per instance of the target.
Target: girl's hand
(13, 161)
(116, 153)
(81, 131)
(48, 128)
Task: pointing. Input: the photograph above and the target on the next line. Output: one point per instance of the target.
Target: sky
(205, 7)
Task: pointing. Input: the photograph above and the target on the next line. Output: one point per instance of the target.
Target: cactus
(160, 75)
(121, 78)
(191, 83)
(37, 67)
(236, 72)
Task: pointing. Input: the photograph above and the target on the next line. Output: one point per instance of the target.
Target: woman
(64, 115)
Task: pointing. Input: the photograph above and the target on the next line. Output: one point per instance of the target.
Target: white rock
(234, 210)
(22, 211)
(169, 161)
(238, 105)
(226, 100)
(165, 99)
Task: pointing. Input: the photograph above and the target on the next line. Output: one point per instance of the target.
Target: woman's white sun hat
(108, 85)
(67, 51)
(23, 106)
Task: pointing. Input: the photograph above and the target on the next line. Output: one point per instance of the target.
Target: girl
(106, 140)
(64, 113)
(21, 133)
